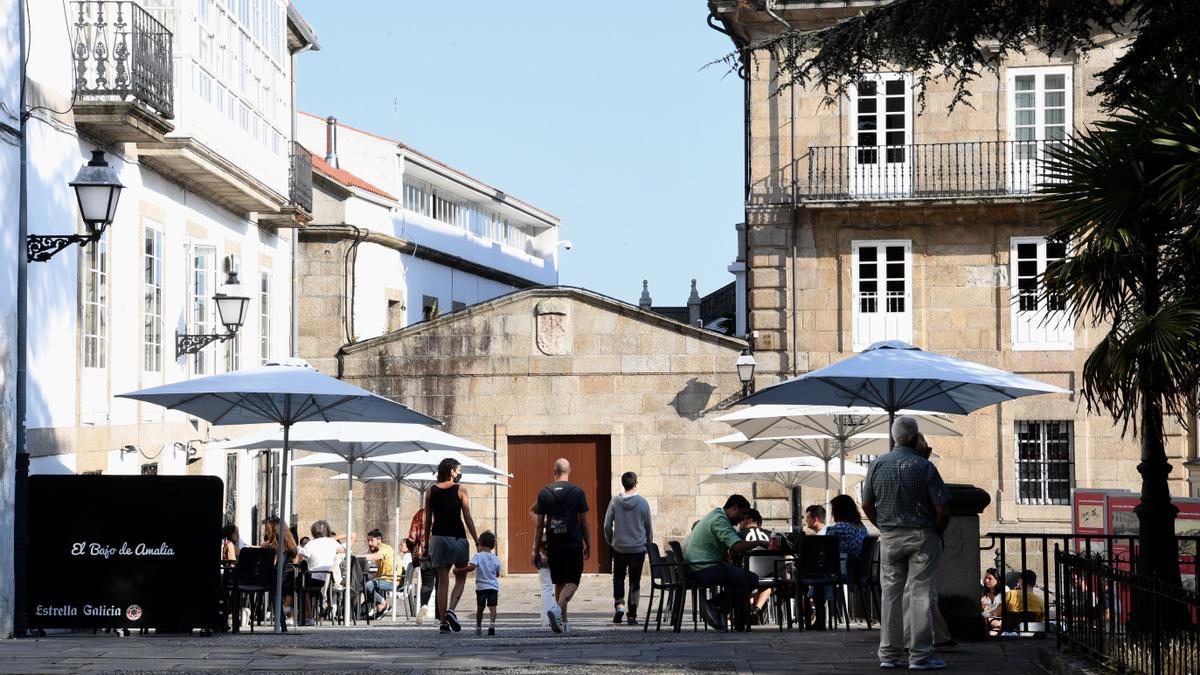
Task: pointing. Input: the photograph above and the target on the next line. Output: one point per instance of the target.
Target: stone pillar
(693, 306)
(959, 582)
(645, 301)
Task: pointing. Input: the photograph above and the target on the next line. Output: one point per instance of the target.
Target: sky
(607, 119)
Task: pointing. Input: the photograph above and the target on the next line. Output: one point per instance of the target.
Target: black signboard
(124, 551)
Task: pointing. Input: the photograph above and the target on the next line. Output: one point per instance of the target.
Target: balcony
(928, 171)
(298, 210)
(124, 91)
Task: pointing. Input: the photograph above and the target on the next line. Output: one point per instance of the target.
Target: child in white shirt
(486, 567)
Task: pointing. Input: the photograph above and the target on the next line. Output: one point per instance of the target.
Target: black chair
(307, 586)
(255, 578)
(228, 588)
(818, 564)
(856, 584)
(688, 587)
(359, 573)
(662, 581)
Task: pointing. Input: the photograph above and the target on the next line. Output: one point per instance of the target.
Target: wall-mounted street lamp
(745, 371)
(97, 189)
(231, 311)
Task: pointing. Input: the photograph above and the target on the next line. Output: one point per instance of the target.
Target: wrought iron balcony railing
(300, 182)
(927, 170)
(122, 53)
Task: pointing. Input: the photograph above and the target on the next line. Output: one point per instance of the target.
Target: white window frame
(1040, 329)
(860, 337)
(1024, 165)
(202, 358)
(94, 332)
(152, 309)
(264, 316)
(871, 172)
(1040, 466)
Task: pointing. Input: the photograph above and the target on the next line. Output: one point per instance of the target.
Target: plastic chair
(687, 587)
(818, 563)
(662, 581)
(768, 565)
(856, 583)
(255, 577)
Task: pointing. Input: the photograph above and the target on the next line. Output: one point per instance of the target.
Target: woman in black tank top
(447, 521)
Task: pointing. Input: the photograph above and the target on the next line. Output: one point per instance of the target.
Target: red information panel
(1187, 524)
(1122, 521)
(1090, 517)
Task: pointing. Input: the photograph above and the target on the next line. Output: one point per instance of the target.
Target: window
(1039, 115)
(429, 307)
(231, 472)
(1045, 466)
(150, 469)
(881, 129)
(395, 315)
(152, 301)
(264, 316)
(95, 304)
(1040, 321)
(202, 289)
(882, 281)
(456, 305)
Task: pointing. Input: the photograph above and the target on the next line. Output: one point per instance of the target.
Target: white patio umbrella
(846, 427)
(822, 448)
(287, 394)
(790, 472)
(895, 376)
(345, 443)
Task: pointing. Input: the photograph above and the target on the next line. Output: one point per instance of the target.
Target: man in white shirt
(320, 553)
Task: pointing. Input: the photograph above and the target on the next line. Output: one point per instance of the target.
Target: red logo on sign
(133, 613)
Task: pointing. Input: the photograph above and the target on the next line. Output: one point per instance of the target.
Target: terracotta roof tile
(346, 178)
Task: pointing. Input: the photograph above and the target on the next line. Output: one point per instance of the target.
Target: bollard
(959, 575)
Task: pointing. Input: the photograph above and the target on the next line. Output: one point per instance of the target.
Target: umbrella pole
(281, 535)
(826, 481)
(349, 536)
(396, 544)
(891, 413)
(842, 455)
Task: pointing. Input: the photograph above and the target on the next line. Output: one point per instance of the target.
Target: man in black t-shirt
(562, 517)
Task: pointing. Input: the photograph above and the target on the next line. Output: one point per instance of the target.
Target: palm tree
(1125, 197)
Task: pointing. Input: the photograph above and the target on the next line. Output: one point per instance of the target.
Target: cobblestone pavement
(521, 645)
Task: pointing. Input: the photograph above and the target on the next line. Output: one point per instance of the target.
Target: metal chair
(856, 583)
(818, 563)
(768, 566)
(688, 587)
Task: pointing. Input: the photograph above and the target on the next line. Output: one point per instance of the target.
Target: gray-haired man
(905, 497)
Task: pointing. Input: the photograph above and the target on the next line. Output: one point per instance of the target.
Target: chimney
(694, 306)
(331, 142)
(644, 302)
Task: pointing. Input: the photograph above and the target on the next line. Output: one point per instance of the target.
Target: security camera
(566, 244)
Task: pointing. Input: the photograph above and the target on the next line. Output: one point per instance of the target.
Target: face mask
(458, 478)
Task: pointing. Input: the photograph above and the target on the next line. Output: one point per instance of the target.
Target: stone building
(870, 218)
(547, 372)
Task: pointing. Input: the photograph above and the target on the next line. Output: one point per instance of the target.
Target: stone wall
(553, 361)
(961, 307)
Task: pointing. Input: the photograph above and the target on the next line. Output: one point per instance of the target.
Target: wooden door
(531, 463)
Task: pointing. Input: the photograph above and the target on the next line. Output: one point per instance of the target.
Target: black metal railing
(927, 170)
(300, 183)
(1016, 552)
(1127, 621)
(122, 53)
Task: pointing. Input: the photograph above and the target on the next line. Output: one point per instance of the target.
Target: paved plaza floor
(521, 645)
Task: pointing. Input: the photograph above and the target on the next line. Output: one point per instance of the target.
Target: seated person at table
(751, 528)
(384, 557)
(714, 541)
(814, 519)
(320, 554)
(1026, 598)
(847, 527)
(229, 543)
(271, 534)
(991, 603)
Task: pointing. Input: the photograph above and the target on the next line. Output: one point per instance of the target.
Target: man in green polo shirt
(713, 543)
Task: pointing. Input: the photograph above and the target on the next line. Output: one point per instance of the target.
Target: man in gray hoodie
(628, 530)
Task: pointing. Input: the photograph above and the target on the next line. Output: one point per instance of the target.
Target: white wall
(10, 250)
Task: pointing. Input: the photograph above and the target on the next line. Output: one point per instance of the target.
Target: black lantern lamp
(745, 370)
(98, 190)
(231, 312)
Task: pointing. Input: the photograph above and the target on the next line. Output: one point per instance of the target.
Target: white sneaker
(421, 614)
(555, 617)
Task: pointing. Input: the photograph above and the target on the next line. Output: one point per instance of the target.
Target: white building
(192, 103)
(427, 238)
